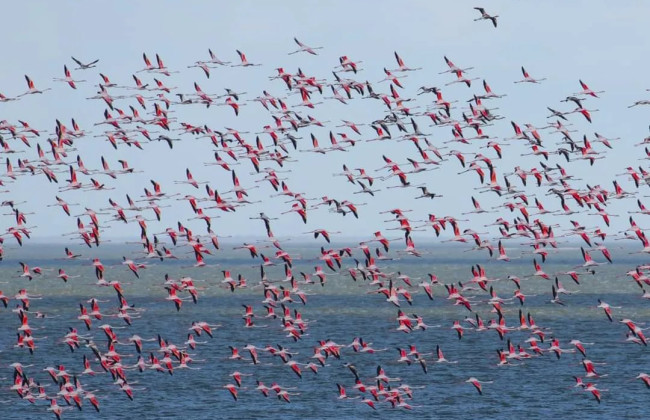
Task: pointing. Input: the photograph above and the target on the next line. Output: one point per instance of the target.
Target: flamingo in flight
(244, 61)
(68, 78)
(486, 16)
(478, 384)
(304, 48)
(85, 66)
(527, 78)
(32, 87)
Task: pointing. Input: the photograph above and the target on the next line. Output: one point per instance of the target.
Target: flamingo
(32, 88)
(607, 308)
(486, 16)
(478, 384)
(589, 387)
(527, 78)
(55, 408)
(402, 66)
(645, 378)
(304, 48)
(68, 78)
(587, 91)
(244, 61)
(85, 66)
(233, 390)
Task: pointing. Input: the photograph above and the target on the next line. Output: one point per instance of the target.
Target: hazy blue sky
(602, 43)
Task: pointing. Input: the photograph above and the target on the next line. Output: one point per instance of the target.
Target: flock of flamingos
(144, 114)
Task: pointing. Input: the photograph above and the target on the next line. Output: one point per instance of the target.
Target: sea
(339, 310)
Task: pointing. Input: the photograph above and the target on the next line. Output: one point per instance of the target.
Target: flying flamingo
(304, 48)
(32, 88)
(478, 384)
(68, 78)
(486, 16)
(527, 78)
(244, 61)
(85, 66)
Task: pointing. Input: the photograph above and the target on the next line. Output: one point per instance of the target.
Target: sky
(561, 41)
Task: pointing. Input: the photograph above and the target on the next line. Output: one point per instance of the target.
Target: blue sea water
(339, 311)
